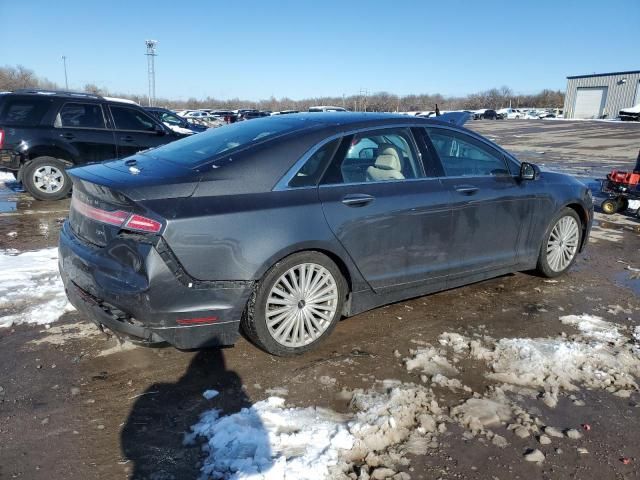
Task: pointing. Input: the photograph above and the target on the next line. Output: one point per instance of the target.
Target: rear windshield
(22, 112)
(199, 149)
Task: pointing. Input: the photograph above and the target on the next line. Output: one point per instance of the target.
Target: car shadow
(152, 438)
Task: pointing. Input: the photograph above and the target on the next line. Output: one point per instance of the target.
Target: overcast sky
(256, 49)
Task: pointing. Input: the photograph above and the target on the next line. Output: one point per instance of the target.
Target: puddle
(629, 279)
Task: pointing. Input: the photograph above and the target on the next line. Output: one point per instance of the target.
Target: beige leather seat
(387, 165)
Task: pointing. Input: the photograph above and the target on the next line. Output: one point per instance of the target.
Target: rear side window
(80, 115)
(464, 156)
(23, 112)
(131, 119)
(376, 156)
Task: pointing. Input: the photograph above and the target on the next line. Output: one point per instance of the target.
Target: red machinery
(620, 187)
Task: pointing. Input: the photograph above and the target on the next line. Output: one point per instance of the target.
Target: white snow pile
(31, 290)
(7, 177)
(601, 357)
(270, 441)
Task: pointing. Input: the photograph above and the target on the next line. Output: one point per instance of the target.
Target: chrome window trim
(283, 183)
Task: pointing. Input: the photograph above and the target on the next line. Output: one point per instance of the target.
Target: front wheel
(45, 178)
(296, 305)
(561, 242)
(609, 206)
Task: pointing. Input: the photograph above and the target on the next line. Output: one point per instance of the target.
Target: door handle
(466, 189)
(357, 199)
(68, 136)
(127, 138)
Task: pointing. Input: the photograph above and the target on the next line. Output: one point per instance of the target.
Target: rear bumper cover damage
(134, 289)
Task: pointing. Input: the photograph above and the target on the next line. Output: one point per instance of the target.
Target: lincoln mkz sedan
(281, 226)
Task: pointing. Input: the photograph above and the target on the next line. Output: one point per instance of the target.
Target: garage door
(590, 102)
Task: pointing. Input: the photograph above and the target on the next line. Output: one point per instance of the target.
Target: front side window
(375, 156)
(463, 156)
(131, 119)
(312, 170)
(171, 119)
(80, 115)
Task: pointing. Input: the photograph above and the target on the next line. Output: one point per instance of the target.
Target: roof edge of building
(628, 72)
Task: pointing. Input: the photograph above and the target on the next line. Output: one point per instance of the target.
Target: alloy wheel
(301, 305)
(563, 243)
(48, 179)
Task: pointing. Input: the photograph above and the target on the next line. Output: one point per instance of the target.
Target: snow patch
(31, 290)
(270, 441)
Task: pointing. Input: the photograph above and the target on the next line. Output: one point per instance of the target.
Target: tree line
(12, 78)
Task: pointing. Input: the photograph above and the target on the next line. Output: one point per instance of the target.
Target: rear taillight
(1, 138)
(117, 218)
(142, 224)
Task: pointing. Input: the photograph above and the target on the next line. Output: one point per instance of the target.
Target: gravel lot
(76, 404)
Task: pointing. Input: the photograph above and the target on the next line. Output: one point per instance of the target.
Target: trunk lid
(111, 197)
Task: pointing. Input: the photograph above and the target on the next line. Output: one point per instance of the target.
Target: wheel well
(584, 219)
(335, 258)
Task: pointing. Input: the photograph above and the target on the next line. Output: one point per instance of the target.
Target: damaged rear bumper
(131, 289)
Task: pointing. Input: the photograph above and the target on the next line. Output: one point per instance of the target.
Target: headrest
(388, 158)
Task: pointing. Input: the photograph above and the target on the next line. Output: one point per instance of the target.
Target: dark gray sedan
(283, 225)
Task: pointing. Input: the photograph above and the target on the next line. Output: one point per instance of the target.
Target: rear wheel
(609, 206)
(296, 305)
(561, 243)
(45, 178)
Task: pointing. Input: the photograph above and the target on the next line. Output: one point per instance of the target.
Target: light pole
(151, 69)
(66, 80)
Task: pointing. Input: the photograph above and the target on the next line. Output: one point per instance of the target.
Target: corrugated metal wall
(619, 95)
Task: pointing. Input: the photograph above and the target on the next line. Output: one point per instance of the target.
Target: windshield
(199, 149)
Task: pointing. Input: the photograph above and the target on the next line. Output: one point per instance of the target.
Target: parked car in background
(44, 132)
(489, 114)
(510, 113)
(196, 114)
(250, 115)
(283, 225)
(630, 114)
(532, 115)
(174, 122)
(285, 112)
(327, 108)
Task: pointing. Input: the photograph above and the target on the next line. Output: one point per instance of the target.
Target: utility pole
(151, 69)
(66, 80)
(363, 95)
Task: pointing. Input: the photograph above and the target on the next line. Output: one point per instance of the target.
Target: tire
(284, 336)
(623, 204)
(564, 236)
(609, 206)
(45, 178)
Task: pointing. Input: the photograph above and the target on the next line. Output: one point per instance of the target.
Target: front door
(490, 211)
(393, 220)
(136, 131)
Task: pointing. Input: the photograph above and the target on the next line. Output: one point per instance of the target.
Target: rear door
(83, 127)
(393, 219)
(136, 131)
(491, 210)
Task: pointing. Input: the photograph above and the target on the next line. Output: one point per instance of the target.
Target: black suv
(44, 132)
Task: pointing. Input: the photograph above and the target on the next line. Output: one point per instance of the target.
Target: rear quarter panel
(240, 237)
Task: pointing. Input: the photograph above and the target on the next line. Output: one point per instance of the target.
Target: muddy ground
(76, 405)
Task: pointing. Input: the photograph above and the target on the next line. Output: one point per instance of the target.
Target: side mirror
(529, 171)
(159, 130)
